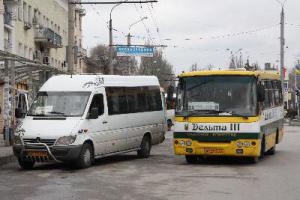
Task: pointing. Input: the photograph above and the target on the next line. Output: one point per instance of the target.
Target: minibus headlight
(17, 139)
(66, 140)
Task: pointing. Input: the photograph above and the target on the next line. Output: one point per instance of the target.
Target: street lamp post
(131, 25)
(111, 52)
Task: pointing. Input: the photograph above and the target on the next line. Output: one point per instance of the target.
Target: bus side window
(276, 93)
(280, 92)
(266, 102)
(271, 94)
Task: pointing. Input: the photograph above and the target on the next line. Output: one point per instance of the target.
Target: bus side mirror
(260, 93)
(93, 114)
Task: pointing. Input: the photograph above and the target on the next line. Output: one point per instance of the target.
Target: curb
(7, 159)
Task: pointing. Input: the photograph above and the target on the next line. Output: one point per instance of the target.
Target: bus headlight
(66, 140)
(188, 143)
(182, 143)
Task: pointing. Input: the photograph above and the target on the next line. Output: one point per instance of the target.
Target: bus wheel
(86, 157)
(144, 151)
(190, 159)
(25, 164)
(262, 148)
(272, 151)
(254, 160)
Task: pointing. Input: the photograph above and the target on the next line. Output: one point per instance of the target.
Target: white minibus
(78, 118)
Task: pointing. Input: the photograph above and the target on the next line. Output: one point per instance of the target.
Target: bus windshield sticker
(203, 106)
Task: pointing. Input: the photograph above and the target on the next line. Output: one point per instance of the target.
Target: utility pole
(282, 44)
(129, 39)
(71, 39)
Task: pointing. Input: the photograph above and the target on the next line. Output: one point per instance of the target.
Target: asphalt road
(162, 176)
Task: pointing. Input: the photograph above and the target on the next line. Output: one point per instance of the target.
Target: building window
(29, 20)
(30, 55)
(25, 51)
(25, 12)
(20, 11)
(20, 49)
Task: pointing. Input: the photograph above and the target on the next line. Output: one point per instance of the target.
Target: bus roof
(92, 82)
(260, 74)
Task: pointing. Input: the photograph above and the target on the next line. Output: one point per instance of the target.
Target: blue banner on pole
(135, 51)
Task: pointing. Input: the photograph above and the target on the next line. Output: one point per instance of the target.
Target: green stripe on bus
(216, 137)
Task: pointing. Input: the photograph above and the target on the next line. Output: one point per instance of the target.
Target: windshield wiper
(36, 115)
(57, 113)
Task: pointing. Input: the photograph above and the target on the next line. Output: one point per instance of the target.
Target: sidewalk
(6, 155)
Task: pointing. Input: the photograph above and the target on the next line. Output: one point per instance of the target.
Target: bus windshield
(66, 104)
(217, 96)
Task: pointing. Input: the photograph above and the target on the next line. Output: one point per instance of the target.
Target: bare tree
(122, 65)
(158, 66)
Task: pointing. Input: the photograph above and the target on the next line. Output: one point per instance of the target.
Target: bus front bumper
(244, 147)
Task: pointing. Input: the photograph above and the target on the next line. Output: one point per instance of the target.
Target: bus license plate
(213, 150)
(37, 153)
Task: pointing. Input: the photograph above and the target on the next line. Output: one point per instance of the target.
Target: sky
(201, 31)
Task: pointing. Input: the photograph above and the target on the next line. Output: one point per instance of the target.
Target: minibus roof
(260, 74)
(92, 82)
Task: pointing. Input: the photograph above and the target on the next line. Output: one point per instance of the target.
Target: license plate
(213, 150)
(37, 153)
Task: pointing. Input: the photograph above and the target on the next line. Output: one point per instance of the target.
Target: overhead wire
(145, 26)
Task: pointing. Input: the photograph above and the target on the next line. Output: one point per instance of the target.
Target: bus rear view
(228, 113)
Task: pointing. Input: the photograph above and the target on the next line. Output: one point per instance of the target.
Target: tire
(86, 157)
(262, 148)
(26, 164)
(254, 160)
(191, 159)
(170, 124)
(144, 151)
(272, 151)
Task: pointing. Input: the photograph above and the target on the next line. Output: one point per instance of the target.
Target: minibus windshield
(217, 96)
(65, 104)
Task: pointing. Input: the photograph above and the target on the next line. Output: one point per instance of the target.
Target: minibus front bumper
(41, 152)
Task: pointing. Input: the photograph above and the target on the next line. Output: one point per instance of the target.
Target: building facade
(39, 30)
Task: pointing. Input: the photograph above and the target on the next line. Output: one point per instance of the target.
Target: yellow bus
(228, 113)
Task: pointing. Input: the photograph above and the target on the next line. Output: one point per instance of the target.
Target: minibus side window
(97, 102)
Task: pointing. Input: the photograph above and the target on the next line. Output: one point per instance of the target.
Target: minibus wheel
(144, 151)
(25, 164)
(86, 156)
(170, 124)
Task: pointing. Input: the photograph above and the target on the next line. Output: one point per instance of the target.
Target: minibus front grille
(48, 142)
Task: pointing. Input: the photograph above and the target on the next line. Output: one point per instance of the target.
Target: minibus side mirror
(260, 93)
(19, 113)
(93, 114)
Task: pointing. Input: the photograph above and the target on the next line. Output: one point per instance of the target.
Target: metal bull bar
(38, 145)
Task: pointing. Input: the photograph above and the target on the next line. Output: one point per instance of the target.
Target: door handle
(104, 122)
